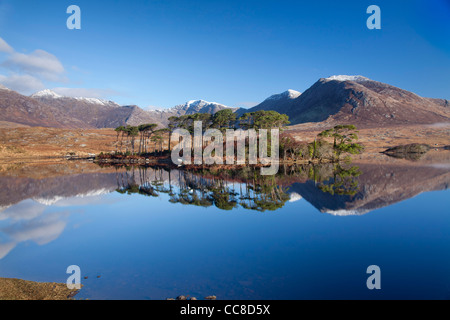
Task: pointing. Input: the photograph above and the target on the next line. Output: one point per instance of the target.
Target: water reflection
(245, 187)
(351, 189)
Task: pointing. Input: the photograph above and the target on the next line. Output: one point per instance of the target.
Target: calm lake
(155, 233)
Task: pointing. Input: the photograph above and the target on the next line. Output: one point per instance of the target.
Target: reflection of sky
(148, 248)
(33, 220)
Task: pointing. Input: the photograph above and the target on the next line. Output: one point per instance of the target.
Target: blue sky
(164, 53)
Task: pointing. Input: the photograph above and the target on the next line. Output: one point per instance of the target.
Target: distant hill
(282, 103)
(333, 100)
(23, 110)
(358, 100)
(94, 113)
(49, 109)
(190, 107)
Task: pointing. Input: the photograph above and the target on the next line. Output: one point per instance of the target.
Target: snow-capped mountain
(200, 106)
(23, 110)
(355, 99)
(289, 94)
(49, 94)
(281, 102)
(338, 99)
(95, 113)
(347, 78)
(190, 107)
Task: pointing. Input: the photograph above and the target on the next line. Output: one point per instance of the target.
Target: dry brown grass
(35, 142)
(17, 289)
(25, 143)
(376, 140)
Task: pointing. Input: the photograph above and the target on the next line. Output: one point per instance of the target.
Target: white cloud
(84, 92)
(22, 83)
(38, 63)
(4, 47)
(28, 73)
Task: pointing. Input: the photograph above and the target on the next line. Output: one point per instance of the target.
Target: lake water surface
(155, 233)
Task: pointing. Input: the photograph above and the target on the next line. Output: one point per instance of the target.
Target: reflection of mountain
(49, 190)
(379, 186)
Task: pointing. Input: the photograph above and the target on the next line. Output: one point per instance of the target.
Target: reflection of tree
(228, 189)
(264, 195)
(147, 186)
(343, 182)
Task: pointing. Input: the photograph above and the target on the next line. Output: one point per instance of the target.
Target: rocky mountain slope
(95, 113)
(283, 103)
(16, 108)
(360, 101)
(190, 107)
(333, 100)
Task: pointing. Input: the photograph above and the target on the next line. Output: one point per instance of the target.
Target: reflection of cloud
(41, 230)
(5, 248)
(28, 221)
(24, 210)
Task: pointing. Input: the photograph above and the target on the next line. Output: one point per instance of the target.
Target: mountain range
(336, 99)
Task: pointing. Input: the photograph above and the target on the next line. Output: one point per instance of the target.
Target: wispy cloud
(38, 63)
(28, 73)
(4, 47)
(85, 92)
(23, 83)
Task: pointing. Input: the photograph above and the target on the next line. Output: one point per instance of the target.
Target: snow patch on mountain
(2, 87)
(95, 101)
(290, 94)
(47, 93)
(347, 78)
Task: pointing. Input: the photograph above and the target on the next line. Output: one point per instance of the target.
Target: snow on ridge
(291, 94)
(347, 78)
(2, 87)
(196, 103)
(95, 101)
(46, 93)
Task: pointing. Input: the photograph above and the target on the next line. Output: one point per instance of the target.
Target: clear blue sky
(163, 53)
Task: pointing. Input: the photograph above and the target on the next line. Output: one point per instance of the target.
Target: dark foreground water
(311, 233)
